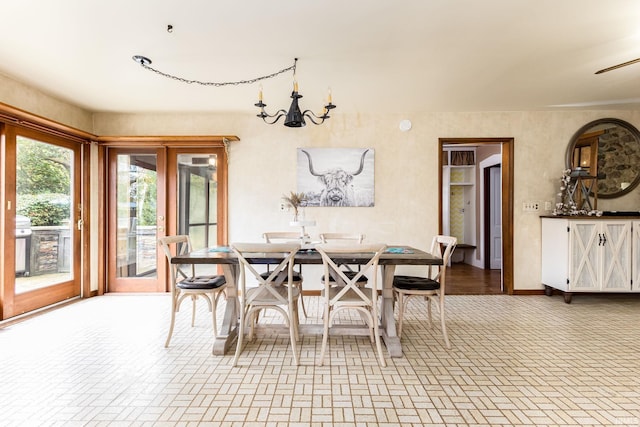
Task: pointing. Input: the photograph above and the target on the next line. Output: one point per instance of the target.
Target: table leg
(229, 329)
(388, 322)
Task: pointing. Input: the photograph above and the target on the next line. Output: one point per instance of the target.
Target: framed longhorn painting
(336, 176)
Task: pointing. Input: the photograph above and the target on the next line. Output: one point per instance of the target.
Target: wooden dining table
(225, 257)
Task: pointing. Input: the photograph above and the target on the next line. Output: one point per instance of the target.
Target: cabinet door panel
(635, 252)
(583, 255)
(616, 256)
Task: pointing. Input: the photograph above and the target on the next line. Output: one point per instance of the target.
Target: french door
(42, 212)
(153, 192)
(135, 213)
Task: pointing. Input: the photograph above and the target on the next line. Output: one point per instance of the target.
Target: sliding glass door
(42, 221)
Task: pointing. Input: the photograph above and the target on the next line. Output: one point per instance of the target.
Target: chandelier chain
(219, 84)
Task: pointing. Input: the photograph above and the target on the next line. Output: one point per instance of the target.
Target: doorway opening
(476, 205)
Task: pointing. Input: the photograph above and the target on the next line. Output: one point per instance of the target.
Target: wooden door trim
(85, 217)
(194, 141)
(507, 197)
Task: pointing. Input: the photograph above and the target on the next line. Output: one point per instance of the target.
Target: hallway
(465, 279)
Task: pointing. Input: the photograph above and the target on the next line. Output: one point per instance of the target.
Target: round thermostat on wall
(405, 125)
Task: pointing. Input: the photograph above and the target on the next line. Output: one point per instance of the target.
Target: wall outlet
(531, 206)
(284, 207)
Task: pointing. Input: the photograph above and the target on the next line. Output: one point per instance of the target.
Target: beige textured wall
(262, 168)
(262, 164)
(33, 101)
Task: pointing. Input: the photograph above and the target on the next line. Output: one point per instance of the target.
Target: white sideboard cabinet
(590, 254)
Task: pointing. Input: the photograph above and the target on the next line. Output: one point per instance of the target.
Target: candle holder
(294, 118)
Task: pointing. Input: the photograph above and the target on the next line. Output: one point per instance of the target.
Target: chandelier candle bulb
(260, 94)
(329, 97)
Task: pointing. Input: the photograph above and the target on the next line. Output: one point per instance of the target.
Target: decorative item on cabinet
(576, 189)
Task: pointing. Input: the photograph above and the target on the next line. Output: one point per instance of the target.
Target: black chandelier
(294, 118)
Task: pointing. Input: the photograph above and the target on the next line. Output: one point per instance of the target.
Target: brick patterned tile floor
(515, 361)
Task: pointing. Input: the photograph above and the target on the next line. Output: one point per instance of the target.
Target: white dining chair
(351, 296)
(287, 237)
(274, 292)
(185, 283)
(345, 238)
(430, 286)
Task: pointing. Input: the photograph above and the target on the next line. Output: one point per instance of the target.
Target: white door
(495, 218)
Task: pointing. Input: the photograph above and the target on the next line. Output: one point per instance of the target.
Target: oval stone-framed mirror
(610, 150)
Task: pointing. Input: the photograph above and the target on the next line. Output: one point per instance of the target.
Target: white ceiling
(375, 55)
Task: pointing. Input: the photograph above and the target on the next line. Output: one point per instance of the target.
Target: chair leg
(240, 336)
(295, 315)
(304, 309)
(293, 332)
(376, 332)
(254, 321)
(443, 325)
(401, 307)
(325, 333)
(173, 320)
(214, 309)
(193, 310)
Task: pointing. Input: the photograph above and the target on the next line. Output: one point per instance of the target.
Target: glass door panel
(133, 248)
(44, 196)
(198, 198)
(136, 216)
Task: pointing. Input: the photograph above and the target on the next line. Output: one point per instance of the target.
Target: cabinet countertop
(625, 215)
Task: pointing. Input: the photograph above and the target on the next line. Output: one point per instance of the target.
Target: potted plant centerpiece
(295, 201)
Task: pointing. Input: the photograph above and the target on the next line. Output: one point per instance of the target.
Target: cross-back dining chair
(275, 291)
(345, 238)
(351, 296)
(287, 237)
(185, 283)
(431, 286)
